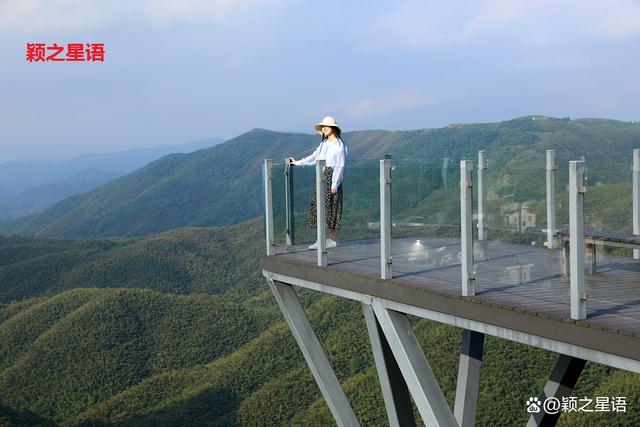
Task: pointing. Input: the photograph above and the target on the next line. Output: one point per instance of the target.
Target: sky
(177, 71)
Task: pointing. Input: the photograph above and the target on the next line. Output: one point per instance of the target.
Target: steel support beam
(413, 364)
(466, 231)
(468, 387)
(552, 166)
(538, 341)
(385, 218)
(482, 195)
(313, 353)
(577, 293)
(321, 213)
(394, 389)
(561, 383)
(636, 198)
(267, 178)
(290, 232)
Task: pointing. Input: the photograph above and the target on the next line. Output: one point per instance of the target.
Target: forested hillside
(221, 185)
(182, 261)
(133, 352)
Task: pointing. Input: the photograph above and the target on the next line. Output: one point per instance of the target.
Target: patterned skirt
(333, 204)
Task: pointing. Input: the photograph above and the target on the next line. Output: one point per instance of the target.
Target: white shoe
(314, 246)
(331, 243)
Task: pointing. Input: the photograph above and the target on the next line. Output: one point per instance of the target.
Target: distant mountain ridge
(221, 185)
(32, 186)
(17, 176)
(39, 198)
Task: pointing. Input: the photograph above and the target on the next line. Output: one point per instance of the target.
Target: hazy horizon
(106, 151)
(180, 71)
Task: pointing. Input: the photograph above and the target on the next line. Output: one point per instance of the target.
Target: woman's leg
(333, 204)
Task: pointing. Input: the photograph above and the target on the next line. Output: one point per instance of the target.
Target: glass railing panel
(303, 188)
(278, 191)
(425, 198)
(360, 208)
(614, 288)
(511, 266)
(426, 220)
(516, 209)
(608, 205)
(361, 211)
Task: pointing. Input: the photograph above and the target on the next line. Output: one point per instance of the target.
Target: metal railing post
(482, 195)
(385, 218)
(321, 220)
(290, 232)
(576, 243)
(636, 198)
(552, 166)
(267, 177)
(466, 224)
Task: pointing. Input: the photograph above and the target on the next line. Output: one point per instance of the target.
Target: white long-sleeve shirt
(335, 154)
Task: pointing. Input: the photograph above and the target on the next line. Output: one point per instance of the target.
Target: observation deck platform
(518, 287)
(539, 296)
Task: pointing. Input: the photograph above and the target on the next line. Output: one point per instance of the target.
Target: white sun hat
(327, 121)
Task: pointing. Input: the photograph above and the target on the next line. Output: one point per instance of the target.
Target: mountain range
(222, 185)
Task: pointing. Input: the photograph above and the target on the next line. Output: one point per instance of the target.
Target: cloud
(622, 22)
(384, 105)
(30, 17)
(434, 23)
(552, 62)
(161, 11)
(431, 23)
(35, 17)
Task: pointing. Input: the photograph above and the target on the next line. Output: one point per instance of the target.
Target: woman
(334, 151)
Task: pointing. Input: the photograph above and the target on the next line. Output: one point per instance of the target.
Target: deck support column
(267, 179)
(290, 232)
(552, 166)
(577, 189)
(394, 388)
(636, 198)
(560, 384)
(482, 195)
(321, 221)
(468, 386)
(313, 353)
(466, 230)
(386, 271)
(413, 364)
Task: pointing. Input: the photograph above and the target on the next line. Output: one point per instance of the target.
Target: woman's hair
(336, 131)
